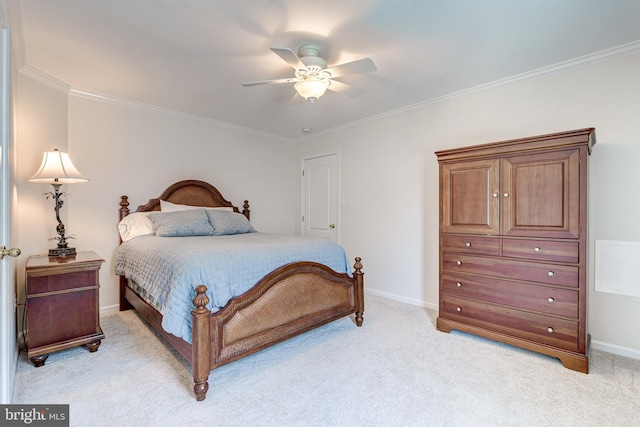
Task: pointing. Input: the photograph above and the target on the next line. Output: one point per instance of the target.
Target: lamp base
(62, 252)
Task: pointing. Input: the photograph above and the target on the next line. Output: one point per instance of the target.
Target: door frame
(8, 331)
(338, 197)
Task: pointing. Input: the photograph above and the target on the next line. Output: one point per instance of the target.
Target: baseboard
(615, 349)
(109, 309)
(395, 297)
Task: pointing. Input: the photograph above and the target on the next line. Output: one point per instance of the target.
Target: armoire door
(470, 197)
(541, 194)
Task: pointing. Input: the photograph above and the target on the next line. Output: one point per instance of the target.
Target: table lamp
(57, 169)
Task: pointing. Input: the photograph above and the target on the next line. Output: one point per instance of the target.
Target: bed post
(201, 343)
(124, 304)
(358, 275)
(124, 207)
(245, 210)
(124, 211)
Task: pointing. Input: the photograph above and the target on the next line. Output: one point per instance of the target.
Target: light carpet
(397, 370)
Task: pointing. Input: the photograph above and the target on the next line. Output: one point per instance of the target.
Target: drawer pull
(550, 329)
(458, 309)
(551, 274)
(459, 284)
(536, 249)
(458, 262)
(495, 195)
(468, 244)
(550, 299)
(506, 195)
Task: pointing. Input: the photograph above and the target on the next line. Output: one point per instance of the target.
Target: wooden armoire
(513, 243)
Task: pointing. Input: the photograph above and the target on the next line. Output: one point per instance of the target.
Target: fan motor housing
(310, 57)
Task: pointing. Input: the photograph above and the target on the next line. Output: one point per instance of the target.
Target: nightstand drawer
(61, 317)
(61, 282)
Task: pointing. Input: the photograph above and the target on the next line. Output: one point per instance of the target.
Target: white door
(320, 197)
(8, 347)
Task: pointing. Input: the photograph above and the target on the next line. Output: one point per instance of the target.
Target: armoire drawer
(553, 274)
(548, 330)
(471, 245)
(541, 250)
(544, 299)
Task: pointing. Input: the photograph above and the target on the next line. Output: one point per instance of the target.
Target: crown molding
(161, 110)
(45, 78)
(561, 67)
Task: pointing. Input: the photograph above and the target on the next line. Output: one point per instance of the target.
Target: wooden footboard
(289, 301)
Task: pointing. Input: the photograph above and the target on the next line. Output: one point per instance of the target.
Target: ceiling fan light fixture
(311, 89)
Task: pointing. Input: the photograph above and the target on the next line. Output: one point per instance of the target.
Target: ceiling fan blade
(270, 82)
(289, 57)
(365, 65)
(345, 89)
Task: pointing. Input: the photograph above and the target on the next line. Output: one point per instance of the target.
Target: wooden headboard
(189, 192)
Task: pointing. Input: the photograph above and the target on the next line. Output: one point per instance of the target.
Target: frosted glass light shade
(57, 168)
(311, 89)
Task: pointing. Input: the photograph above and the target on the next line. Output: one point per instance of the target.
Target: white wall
(389, 178)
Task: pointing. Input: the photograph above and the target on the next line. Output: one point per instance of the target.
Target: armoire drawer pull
(506, 194)
(468, 244)
(458, 262)
(551, 274)
(459, 284)
(550, 299)
(458, 309)
(536, 249)
(550, 329)
(495, 195)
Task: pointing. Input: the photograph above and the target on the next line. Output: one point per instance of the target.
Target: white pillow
(173, 207)
(134, 225)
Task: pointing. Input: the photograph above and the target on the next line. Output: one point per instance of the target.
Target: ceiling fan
(313, 78)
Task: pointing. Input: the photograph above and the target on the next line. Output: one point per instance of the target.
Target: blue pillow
(225, 222)
(194, 222)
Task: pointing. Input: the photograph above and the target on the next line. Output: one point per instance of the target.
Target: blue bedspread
(168, 269)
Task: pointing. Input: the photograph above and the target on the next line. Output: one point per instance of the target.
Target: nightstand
(62, 304)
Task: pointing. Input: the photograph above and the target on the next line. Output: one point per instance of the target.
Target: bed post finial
(124, 206)
(358, 265)
(200, 347)
(359, 276)
(201, 299)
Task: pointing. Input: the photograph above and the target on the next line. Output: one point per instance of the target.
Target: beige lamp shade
(57, 168)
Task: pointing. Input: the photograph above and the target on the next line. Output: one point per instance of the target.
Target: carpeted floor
(397, 370)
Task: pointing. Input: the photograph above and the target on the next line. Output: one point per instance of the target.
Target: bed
(293, 298)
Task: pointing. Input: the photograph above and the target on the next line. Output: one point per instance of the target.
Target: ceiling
(191, 56)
